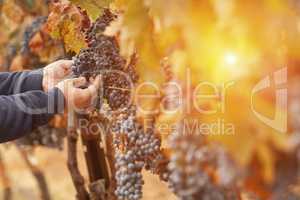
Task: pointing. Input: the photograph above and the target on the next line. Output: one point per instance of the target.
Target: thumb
(94, 87)
(92, 90)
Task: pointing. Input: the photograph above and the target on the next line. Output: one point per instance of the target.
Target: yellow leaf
(93, 7)
(66, 22)
(137, 34)
(71, 36)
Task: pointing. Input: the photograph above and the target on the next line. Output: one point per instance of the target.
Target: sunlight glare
(230, 58)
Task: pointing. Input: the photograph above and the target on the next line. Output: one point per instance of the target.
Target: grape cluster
(46, 136)
(128, 176)
(188, 176)
(134, 147)
(103, 57)
(117, 84)
(99, 26)
(128, 157)
(103, 52)
(117, 90)
(124, 127)
(30, 31)
(150, 145)
(131, 133)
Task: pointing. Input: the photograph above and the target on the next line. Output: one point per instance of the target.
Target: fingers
(66, 66)
(57, 71)
(96, 83)
(78, 82)
(61, 68)
(93, 88)
(80, 98)
(90, 94)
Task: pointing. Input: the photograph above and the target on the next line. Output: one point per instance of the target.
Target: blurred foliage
(67, 22)
(16, 22)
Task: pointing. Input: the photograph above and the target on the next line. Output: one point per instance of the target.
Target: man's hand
(55, 72)
(77, 98)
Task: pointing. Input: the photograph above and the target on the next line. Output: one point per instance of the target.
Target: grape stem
(118, 88)
(77, 178)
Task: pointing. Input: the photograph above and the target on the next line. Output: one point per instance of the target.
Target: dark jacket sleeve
(21, 113)
(19, 82)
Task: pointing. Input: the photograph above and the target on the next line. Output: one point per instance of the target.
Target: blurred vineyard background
(53, 165)
(218, 40)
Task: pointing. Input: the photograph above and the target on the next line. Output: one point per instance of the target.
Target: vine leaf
(67, 22)
(43, 45)
(93, 7)
(137, 35)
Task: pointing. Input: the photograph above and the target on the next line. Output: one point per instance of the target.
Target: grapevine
(134, 148)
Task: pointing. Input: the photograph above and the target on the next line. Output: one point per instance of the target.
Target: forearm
(21, 113)
(20, 82)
